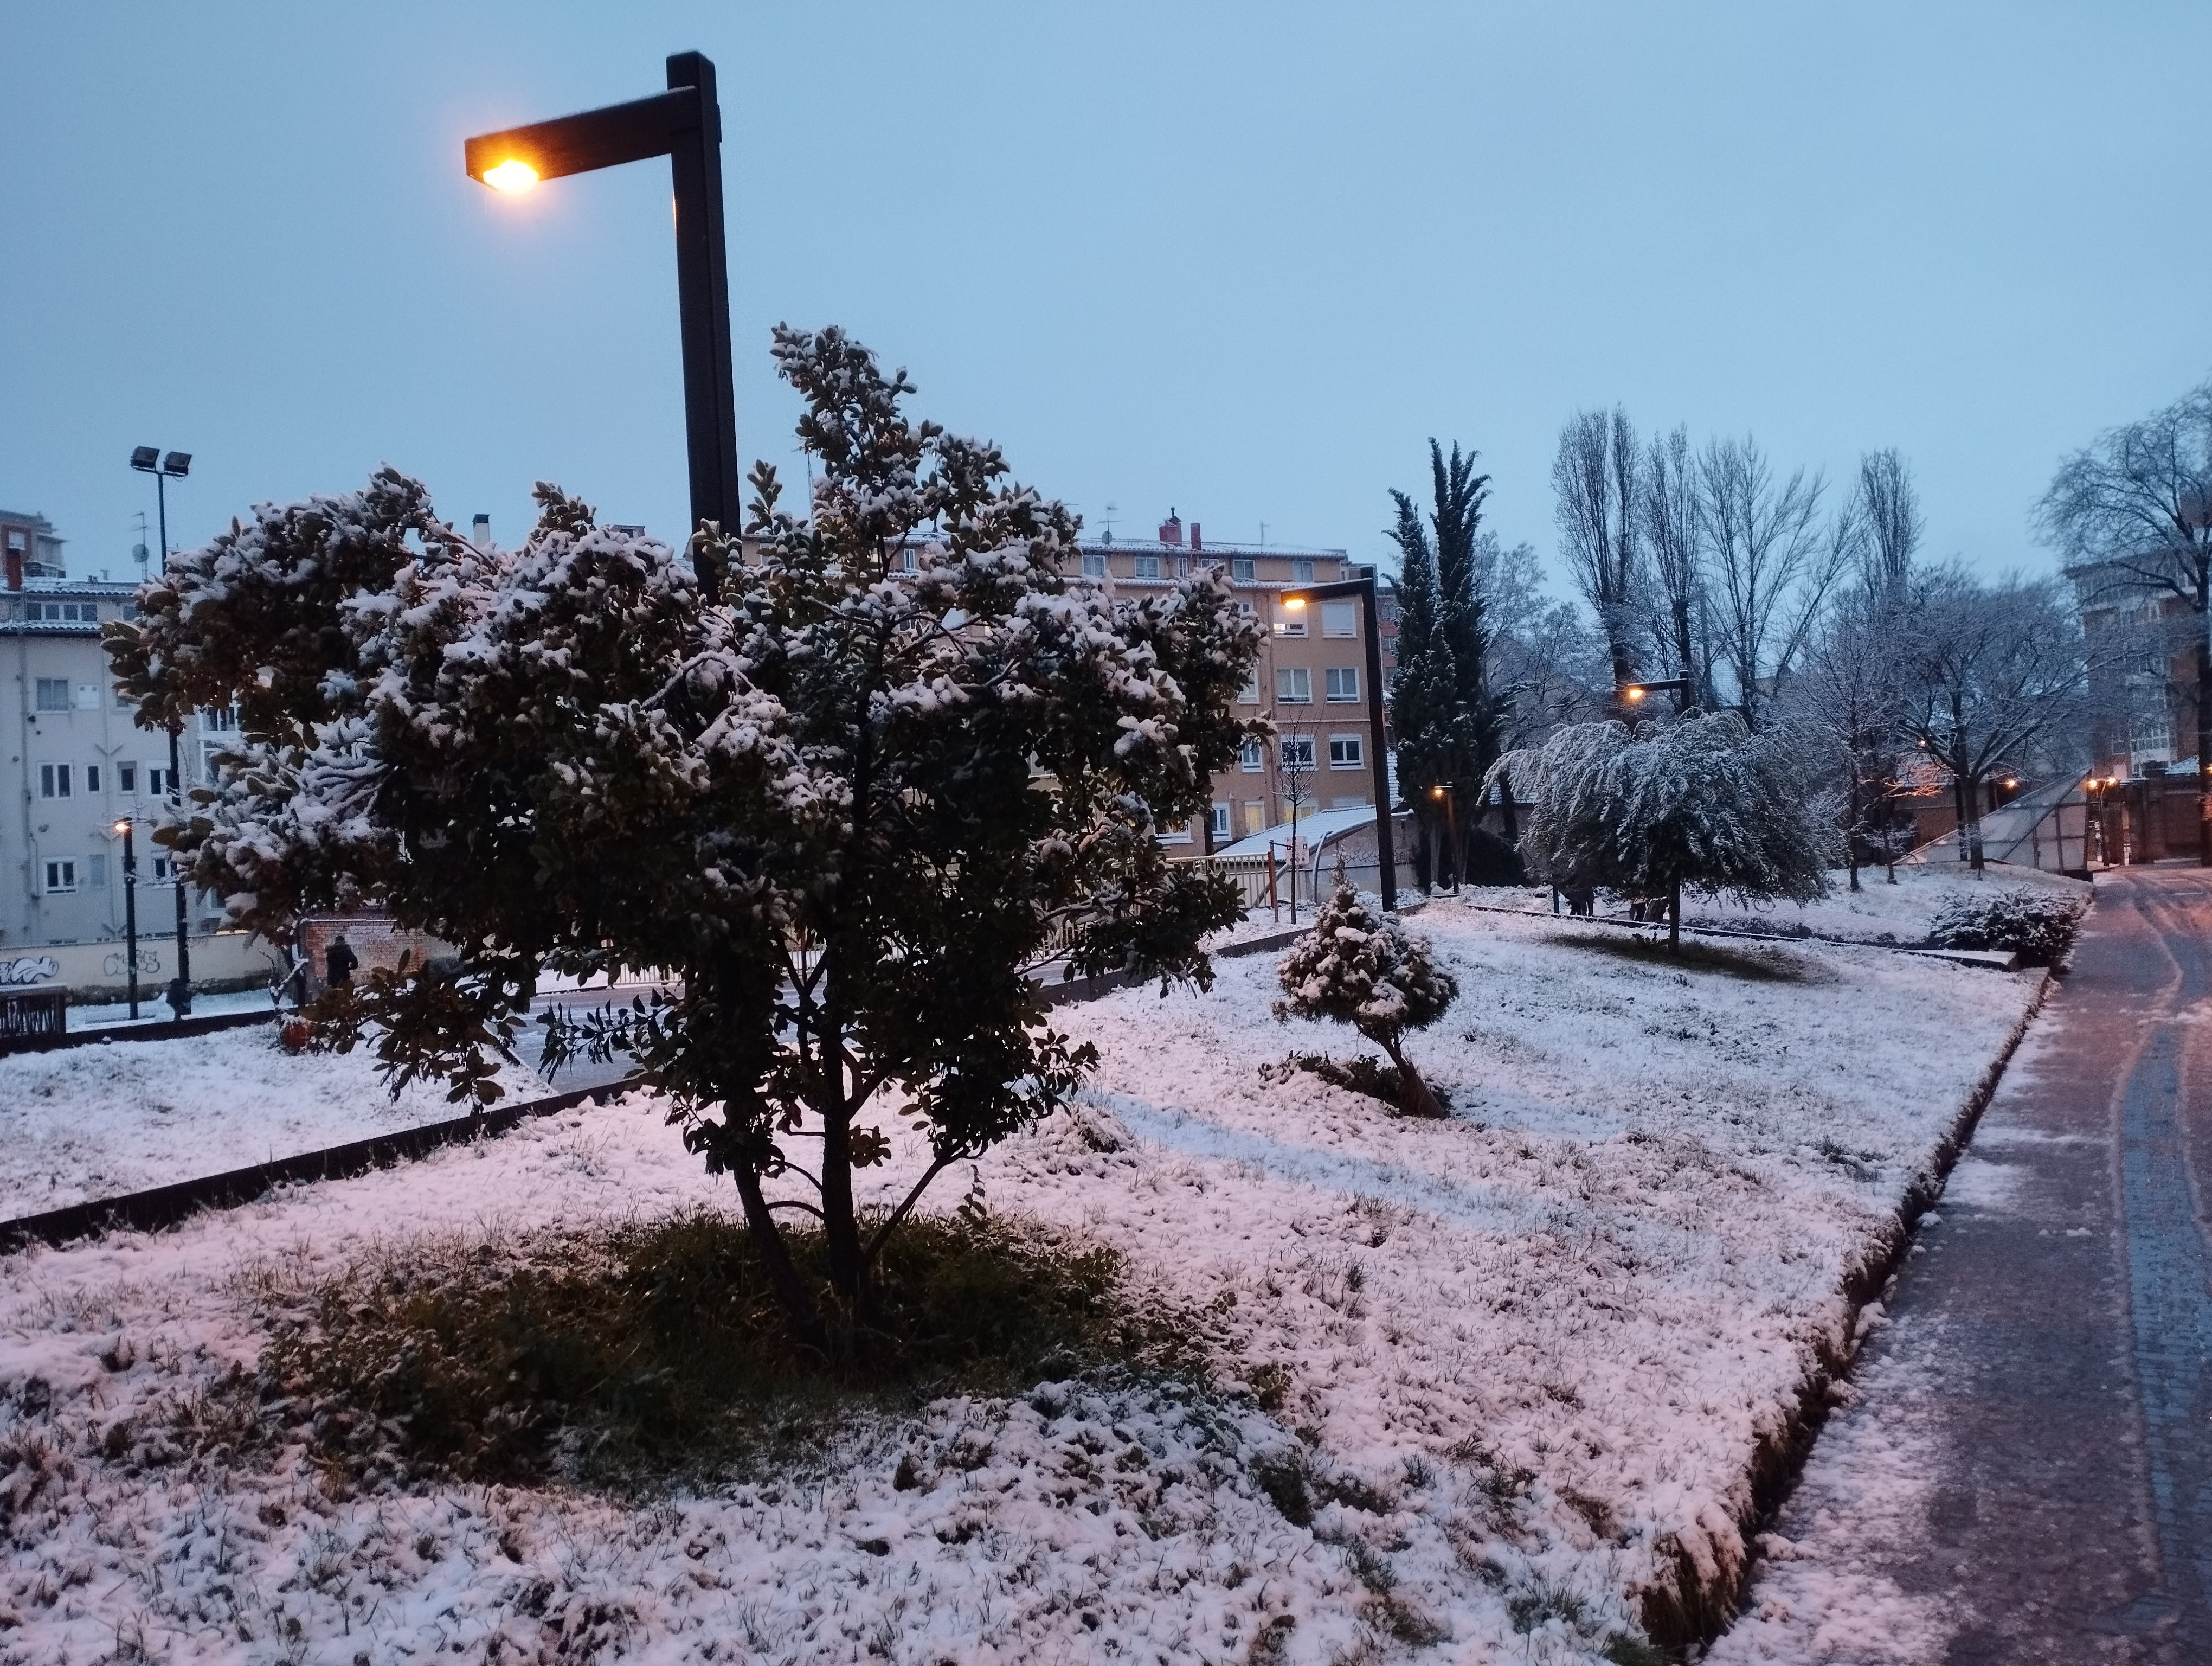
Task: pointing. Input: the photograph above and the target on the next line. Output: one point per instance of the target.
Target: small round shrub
(2036, 925)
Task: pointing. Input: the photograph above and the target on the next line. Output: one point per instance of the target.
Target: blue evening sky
(1240, 260)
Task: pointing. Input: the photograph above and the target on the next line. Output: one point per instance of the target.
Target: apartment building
(1311, 677)
(73, 761)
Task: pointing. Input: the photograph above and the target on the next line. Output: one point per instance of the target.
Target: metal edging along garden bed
(167, 1205)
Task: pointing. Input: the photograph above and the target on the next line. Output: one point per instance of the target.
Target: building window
(53, 781)
(1339, 619)
(122, 701)
(1219, 821)
(61, 876)
(219, 720)
(1249, 694)
(1255, 816)
(1302, 571)
(1243, 570)
(1294, 686)
(162, 873)
(1298, 752)
(92, 778)
(1253, 757)
(1343, 682)
(1290, 623)
(1094, 564)
(908, 561)
(1148, 567)
(53, 694)
(1344, 751)
(126, 777)
(95, 875)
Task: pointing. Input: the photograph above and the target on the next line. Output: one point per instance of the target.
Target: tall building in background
(73, 761)
(1311, 675)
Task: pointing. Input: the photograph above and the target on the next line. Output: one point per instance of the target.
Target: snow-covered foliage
(1700, 803)
(1368, 972)
(850, 805)
(2037, 925)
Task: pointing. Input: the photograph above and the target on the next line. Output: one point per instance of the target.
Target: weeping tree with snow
(1364, 970)
(1698, 802)
(851, 805)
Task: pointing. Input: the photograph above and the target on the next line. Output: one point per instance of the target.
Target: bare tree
(1773, 564)
(1673, 532)
(1295, 765)
(2136, 509)
(1593, 479)
(1853, 685)
(1994, 671)
(1890, 506)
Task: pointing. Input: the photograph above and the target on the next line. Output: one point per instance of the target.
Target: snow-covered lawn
(1526, 1358)
(1877, 913)
(92, 1121)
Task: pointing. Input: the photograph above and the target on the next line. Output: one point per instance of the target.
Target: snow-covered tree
(852, 807)
(1697, 802)
(1364, 970)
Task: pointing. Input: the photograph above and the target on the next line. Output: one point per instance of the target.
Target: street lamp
(175, 467)
(1635, 694)
(1441, 791)
(130, 907)
(684, 125)
(1363, 587)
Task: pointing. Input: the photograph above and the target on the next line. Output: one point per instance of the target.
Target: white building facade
(73, 761)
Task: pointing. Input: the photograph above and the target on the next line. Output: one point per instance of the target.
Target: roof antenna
(1111, 507)
(138, 551)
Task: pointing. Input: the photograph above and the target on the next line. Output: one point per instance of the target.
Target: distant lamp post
(1633, 695)
(175, 467)
(684, 125)
(1443, 793)
(1363, 587)
(130, 906)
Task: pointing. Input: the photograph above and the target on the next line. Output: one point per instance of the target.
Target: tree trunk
(775, 1257)
(1505, 804)
(1675, 921)
(1414, 1098)
(1850, 833)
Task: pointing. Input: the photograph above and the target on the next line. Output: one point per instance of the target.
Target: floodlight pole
(684, 125)
(180, 986)
(130, 907)
(1363, 587)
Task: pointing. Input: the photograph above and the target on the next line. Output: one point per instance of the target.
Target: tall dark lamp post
(130, 906)
(1363, 587)
(684, 125)
(175, 467)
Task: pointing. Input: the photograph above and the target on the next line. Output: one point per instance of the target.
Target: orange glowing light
(1635, 694)
(1294, 603)
(511, 175)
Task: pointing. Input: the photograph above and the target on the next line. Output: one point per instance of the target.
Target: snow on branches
(853, 808)
(1367, 972)
(1698, 802)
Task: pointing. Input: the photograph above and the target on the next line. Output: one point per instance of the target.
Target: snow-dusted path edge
(1704, 1607)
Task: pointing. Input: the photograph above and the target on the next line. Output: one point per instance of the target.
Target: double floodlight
(148, 459)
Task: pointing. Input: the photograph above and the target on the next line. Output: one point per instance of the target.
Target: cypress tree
(1421, 684)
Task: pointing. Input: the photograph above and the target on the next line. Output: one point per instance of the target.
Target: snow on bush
(2038, 926)
(851, 781)
(1367, 972)
(1700, 803)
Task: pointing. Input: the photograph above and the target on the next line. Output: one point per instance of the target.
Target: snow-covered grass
(1879, 912)
(153, 1009)
(92, 1121)
(1484, 1386)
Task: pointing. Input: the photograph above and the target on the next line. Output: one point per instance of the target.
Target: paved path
(2027, 1474)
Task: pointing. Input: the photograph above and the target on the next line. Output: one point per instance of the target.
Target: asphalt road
(2044, 1385)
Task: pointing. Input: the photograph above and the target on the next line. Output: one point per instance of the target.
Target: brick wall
(371, 937)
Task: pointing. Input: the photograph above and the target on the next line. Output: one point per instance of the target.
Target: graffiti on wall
(29, 970)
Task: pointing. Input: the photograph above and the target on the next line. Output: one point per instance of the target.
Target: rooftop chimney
(480, 531)
(18, 542)
(1197, 544)
(1171, 530)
